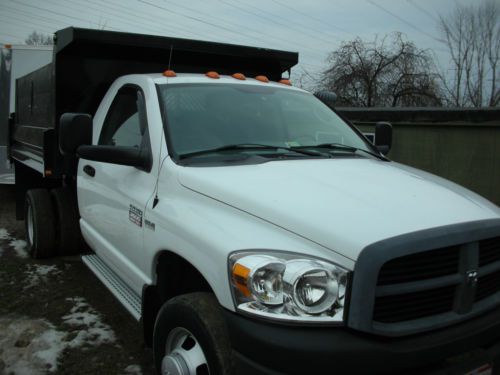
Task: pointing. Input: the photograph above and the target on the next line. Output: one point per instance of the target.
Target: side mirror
(327, 97)
(122, 155)
(383, 137)
(75, 129)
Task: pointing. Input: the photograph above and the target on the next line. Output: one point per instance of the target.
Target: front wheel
(190, 337)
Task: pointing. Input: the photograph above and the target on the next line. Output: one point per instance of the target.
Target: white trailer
(16, 61)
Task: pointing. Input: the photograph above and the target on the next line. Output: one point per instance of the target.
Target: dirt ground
(55, 315)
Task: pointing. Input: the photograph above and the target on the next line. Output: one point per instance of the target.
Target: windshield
(205, 117)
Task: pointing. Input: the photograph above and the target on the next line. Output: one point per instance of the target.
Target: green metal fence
(460, 145)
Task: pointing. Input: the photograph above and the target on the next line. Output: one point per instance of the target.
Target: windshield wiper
(250, 146)
(340, 146)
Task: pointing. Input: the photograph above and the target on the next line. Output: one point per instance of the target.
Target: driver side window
(122, 126)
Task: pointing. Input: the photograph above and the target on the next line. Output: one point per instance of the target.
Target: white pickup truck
(249, 227)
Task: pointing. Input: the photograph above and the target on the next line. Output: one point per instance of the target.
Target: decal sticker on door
(135, 215)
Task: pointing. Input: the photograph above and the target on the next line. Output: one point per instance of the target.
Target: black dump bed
(86, 62)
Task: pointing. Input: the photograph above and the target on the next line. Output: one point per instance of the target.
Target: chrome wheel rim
(183, 354)
(29, 223)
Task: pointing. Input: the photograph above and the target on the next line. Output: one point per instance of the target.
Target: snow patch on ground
(34, 346)
(19, 247)
(4, 234)
(29, 346)
(37, 273)
(133, 370)
(94, 331)
(56, 345)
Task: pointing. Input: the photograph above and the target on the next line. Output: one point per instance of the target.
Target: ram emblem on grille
(471, 278)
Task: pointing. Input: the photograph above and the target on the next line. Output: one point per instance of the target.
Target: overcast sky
(313, 28)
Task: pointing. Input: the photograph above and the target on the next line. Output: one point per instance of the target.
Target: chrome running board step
(115, 284)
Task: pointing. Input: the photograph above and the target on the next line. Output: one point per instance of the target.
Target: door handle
(89, 170)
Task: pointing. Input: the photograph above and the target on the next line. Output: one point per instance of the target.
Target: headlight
(287, 286)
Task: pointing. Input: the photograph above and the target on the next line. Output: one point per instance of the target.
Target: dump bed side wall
(33, 138)
(34, 107)
(26, 59)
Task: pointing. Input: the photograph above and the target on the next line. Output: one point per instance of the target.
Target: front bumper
(265, 348)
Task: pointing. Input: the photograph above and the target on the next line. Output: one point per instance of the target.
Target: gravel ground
(55, 315)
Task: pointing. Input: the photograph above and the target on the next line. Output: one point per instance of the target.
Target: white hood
(341, 204)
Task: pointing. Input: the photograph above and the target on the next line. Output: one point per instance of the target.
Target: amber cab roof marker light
(239, 76)
(8, 46)
(169, 73)
(285, 82)
(262, 79)
(212, 74)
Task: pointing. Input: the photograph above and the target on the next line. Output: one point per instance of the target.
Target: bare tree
(390, 72)
(472, 34)
(305, 79)
(37, 39)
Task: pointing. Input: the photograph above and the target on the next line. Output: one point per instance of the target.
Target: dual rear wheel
(52, 223)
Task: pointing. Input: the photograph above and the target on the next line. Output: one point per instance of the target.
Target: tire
(68, 235)
(198, 316)
(39, 220)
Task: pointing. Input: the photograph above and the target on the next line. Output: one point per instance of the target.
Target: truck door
(112, 197)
